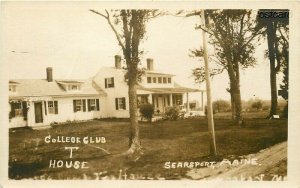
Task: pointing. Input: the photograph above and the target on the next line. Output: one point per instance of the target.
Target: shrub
(221, 105)
(257, 105)
(147, 111)
(205, 111)
(172, 113)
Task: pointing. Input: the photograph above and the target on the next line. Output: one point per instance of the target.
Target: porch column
(171, 99)
(150, 98)
(187, 102)
(202, 105)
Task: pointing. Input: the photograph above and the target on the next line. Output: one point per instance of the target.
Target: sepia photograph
(101, 92)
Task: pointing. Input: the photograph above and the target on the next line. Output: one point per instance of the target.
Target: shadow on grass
(19, 171)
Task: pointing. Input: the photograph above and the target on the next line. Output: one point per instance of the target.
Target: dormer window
(73, 87)
(109, 82)
(12, 88)
(70, 85)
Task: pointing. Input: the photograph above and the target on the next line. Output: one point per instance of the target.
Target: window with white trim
(79, 105)
(73, 87)
(18, 109)
(154, 79)
(92, 103)
(159, 80)
(120, 103)
(109, 82)
(51, 109)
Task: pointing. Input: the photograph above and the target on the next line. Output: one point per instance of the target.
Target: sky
(77, 43)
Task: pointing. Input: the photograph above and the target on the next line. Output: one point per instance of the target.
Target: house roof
(13, 82)
(69, 81)
(176, 89)
(41, 87)
(154, 72)
(157, 73)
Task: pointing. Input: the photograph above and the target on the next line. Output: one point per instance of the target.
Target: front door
(38, 112)
(160, 106)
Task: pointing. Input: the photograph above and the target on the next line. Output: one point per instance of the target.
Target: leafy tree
(284, 56)
(232, 34)
(257, 105)
(221, 105)
(276, 32)
(129, 27)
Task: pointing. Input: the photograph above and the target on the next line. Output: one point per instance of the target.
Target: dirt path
(271, 165)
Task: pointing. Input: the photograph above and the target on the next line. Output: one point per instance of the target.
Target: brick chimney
(117, 61)
(49, 74)
(150, 64)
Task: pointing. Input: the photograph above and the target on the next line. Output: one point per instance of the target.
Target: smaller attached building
(36, 102)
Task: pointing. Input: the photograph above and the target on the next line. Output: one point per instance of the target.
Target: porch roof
(176, 89)
(43, 88)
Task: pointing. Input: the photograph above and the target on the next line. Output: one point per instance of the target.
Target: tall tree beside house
(233, 36)
(129, 27)
(275, 29)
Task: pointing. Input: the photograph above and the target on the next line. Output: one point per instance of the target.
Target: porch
(165, 97)
(28, 111)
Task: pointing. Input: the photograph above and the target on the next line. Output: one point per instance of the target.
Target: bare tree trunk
(271, 42)
(238, 99)
(134, 137)
(132, 60)
(273, 110)
(210, 118)
(238, 105)
(232, 103)
(235, 93)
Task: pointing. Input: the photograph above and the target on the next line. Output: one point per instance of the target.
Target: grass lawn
(181, 140)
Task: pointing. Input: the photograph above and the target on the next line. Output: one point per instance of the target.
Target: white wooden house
(35, 102)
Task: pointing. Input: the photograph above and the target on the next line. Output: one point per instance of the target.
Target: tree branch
(96, 12)
(205, 30)
(111, 25)
(283, 37)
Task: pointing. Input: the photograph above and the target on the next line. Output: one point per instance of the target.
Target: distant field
(246, 115)
(182, 140)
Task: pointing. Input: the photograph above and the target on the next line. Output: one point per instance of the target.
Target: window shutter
(105, 82)
(13, 113)
(89, 105)
(24, 110)
(117, 105)
(45, 104)
(74, 105)
(124, 102)
(97, 104)
(84, 105)
(113, 81)
(56, 107)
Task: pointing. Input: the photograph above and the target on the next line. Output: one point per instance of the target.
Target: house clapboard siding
(36, 102)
